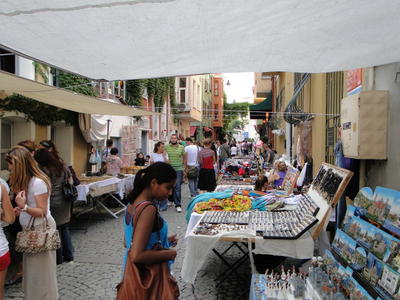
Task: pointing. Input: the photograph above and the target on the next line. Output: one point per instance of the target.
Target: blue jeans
(163, 204)
(193, 183)
(66, 251)
(178, 189)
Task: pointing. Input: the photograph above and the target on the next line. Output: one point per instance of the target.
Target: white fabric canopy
(51, 95)
(117, 39)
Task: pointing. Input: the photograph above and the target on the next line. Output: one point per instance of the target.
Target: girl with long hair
(32, 188)
(152, 184)
(60, 207)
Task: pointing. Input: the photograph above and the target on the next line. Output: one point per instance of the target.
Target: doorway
(144, 142)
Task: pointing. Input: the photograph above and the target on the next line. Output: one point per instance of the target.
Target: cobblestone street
(97, 266)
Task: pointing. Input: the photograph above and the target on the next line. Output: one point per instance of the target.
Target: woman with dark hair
(152, 184)
(207, 159)
(139, 160)
(160, 155)
(59, 206)
(51, 147)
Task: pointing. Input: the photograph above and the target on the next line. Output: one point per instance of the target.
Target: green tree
(234, 114)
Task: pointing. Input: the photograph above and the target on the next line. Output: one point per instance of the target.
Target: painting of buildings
(382, 202)
(364, 199)
(344, 245)
(390, 280)
(392, 222)
(374, 269)
(359, 260)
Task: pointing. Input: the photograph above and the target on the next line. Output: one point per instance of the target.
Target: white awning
(51, 95)
(114, 39)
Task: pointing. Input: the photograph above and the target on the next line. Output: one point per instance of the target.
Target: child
(114, 163)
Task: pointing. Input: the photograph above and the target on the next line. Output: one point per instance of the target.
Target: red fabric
(207, 156)
(192, 130)
(5, 261)
(241, 171)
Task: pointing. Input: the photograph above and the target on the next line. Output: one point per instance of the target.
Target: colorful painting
(344, 245)
(384, 245)
(350, 213)
(364, 199)
(357, 291)
(382, 203)
(359, 260)
(362, 231)
(392, 222)
(390, 280)
(332, 265)
(373, 270)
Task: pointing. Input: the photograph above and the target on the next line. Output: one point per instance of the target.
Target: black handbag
(69, 190)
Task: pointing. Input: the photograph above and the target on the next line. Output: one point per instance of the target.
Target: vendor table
(198, 247)
(100, 190)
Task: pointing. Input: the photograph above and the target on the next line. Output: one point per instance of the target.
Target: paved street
(97, 266)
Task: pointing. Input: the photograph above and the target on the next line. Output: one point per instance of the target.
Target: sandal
(17, 279)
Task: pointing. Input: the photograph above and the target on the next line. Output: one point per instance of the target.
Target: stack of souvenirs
(367, 248)
(237, 171)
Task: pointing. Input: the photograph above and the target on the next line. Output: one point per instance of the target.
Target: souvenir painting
(393, 260)
(381, 205)
(373, 270)
(390, 280)
(358, 292)
(392, 222)
(364, 200)
(359, 260)
(344, 245)
(350, 213)
(332, 265)
(383, 244)
(363, 232)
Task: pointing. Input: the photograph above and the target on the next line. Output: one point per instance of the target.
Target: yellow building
(313, 97)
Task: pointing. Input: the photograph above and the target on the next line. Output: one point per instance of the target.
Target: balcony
(186, 112)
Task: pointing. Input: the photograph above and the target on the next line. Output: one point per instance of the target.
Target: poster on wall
(353, 81)
(128, 145)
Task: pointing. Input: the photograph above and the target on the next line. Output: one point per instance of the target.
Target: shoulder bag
(69, 190)
(147, 282)
(192, 170)
(35, 240)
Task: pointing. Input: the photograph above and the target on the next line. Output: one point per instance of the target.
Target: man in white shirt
(192, 166)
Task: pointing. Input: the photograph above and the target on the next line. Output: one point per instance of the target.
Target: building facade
(217, 116)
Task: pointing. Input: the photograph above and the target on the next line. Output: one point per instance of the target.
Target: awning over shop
(192, 130)
(258, 111)
(61, 98)
(154, 37)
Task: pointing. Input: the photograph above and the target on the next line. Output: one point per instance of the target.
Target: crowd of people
(34, 198)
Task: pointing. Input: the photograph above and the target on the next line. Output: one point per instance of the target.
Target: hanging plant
(40, 113)
(42, 71)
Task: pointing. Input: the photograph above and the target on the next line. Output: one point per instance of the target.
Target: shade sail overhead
(51, 95)
(117, 39)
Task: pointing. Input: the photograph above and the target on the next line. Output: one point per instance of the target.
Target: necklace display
(268, 224)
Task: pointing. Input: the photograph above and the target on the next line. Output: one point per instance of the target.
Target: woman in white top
(32, 188)
(7, 216)
(159, 154)
(234, 150)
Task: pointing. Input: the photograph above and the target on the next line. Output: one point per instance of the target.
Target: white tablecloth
(199, 246)
(125, 185)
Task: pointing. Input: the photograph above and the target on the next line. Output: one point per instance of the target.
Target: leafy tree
(234, 114)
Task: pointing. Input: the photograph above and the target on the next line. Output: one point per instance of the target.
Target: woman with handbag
(148, 255)
(33, 188)
(60, 207)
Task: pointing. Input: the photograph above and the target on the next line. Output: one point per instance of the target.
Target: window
(182, 90)
(182, 96)
(6, 142)
(182, 82)
(216, 87)
(198, 96)
(216, 112)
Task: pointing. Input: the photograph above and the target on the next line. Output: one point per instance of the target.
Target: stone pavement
(99, 253)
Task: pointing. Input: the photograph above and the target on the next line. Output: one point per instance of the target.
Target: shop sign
(353, 81)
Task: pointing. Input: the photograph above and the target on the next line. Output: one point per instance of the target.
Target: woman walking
(60, 208)
(33, 188)
(146, 233)
(160, 155)
(207, 160)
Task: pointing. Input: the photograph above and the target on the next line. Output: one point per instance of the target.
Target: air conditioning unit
(183, 107)
(364, 121)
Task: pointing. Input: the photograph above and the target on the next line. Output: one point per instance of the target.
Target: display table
(199, 246)
(100, 190)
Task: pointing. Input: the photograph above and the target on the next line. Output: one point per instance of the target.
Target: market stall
(273, 223)
(93, 191)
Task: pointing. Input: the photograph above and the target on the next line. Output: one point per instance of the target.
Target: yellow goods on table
(235, 203)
